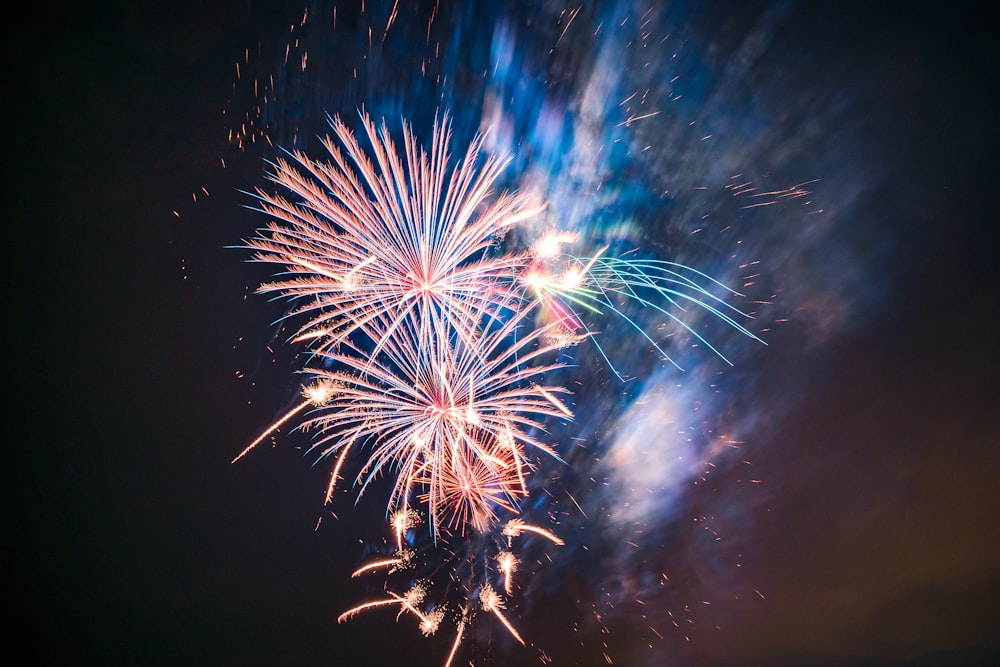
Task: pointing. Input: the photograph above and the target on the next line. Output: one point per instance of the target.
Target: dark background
(132, 540)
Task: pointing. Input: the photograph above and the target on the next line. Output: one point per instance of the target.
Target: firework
(393, 564)
(315, 394)
(427, 355)
(458, 640)
(407, 602)
(508, 563)
(376, 241)
(422, 596)
(401, 521)
(449, 417)
(493, 603)
(515, 527)
(570, 287)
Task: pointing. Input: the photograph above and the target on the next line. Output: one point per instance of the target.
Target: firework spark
(313, 394)
(508, 563)
(393, 564)
(407, 602)
(402, 521)
(493, 603)
(458, 640)
(515, 527)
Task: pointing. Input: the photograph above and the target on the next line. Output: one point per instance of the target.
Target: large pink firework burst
(379, 239)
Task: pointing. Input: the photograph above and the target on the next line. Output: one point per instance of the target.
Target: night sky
(838, 499)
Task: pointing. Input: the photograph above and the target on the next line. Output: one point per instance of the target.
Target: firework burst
(384, 239)
(432, 343)
(449, 417)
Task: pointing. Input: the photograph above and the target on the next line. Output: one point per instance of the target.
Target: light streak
(493, 603)
(508, 565)
(315, 394)
(402, 521)
(407, 602)
(393, 563)
(515, 527)
(458, 640)
(602, 284)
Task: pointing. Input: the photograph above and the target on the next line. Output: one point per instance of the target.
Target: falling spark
(407, 602)
(515, 527)
(393, 563)
(508, 565)
(315, 394)
(492, 603)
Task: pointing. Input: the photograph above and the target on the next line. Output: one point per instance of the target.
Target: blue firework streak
(636, 139)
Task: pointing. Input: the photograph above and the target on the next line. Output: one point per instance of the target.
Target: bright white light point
(534, 280)
(430, 622)
(320, 392)
(572, 278)
(405, 519)
(549, 246)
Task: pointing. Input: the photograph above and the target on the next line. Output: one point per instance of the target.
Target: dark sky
(140, 360)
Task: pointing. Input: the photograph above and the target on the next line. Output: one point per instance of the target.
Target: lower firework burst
(452, 416)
